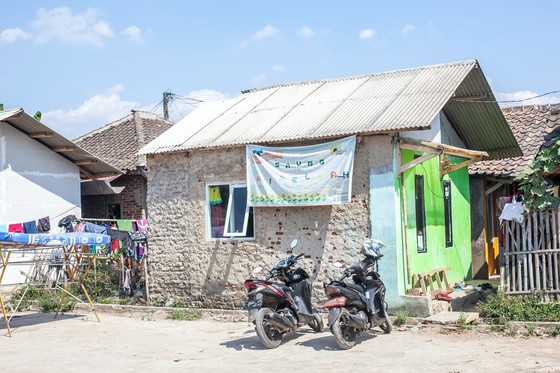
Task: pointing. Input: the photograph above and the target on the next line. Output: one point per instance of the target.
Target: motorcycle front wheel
(269, 337)
(317, 323)
(345, 335)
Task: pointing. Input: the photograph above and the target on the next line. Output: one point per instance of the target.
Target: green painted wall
(457, 257)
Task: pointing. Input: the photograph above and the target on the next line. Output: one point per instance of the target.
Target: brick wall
(132, 199)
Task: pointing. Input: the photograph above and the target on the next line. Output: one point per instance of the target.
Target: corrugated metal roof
(394, 101)
(90, 166)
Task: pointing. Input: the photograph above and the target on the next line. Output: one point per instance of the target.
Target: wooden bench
(425, 281)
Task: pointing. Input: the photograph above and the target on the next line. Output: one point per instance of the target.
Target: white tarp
(300, 176)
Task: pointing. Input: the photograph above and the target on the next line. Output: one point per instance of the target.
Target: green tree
(533, 180)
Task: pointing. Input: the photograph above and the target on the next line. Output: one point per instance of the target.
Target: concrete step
(452, 317)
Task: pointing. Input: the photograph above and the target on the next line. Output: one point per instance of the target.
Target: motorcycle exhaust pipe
(280, 322)
(358, 321)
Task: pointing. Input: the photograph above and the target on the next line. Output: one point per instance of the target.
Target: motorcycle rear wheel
(269, 337)
(387, 326)
(317, 323)
(345, 335)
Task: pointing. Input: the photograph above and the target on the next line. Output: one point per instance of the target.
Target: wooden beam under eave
(63, 149)
(445, 169)
(85, 162)
(104, 175)
(86, 175)
(40, 135)
(417, 161)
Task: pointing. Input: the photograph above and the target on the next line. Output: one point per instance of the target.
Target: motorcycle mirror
(294, 243)
(337, 264)
(257, 269)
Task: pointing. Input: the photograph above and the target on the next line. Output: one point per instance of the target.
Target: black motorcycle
(358, 306)
(277, 308)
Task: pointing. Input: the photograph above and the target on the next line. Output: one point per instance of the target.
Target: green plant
(553, 331)
(533, 183)
(500, 308)
(463, 322)
(100, 281)
(531, 330)
(402, 314)
(178, 303)
(497, 328)
(185, 314)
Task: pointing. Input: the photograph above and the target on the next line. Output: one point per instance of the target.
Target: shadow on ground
(30, 319)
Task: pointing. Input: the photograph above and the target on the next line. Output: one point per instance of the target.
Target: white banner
(300, 176)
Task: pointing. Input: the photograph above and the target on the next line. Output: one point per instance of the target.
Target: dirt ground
(72, 343)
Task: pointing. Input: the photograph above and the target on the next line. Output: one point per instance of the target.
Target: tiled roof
(117, 143)
(533, 127)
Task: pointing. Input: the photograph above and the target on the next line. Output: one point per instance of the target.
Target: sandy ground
(78, 343)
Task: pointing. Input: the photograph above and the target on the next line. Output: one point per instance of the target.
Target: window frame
(448, 213)
(227, 234)
(420, 215)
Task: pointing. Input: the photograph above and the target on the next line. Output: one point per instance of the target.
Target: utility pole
(166, 96)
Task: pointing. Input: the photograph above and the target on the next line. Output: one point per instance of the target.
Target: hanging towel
(30, 227)
(513, 211)
(141, 225)
(3, 228)
(94, 228)
(124, 225)
(44, 224)
(17, 227)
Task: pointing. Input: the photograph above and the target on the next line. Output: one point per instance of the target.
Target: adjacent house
(117, 143)
(41, 173)
(412, 134)
(493, 185)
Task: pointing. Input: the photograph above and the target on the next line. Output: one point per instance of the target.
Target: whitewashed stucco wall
(184, 266)
(35, 182)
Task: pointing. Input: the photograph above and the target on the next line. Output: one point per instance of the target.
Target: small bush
(178, 303)
(553, 331)
(463, 323)
(185, 314)
(500, 308)
(402, 314)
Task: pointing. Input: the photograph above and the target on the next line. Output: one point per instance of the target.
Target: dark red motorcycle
(358, 306)
(277, 308)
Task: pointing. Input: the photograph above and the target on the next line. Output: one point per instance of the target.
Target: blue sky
(84, 64)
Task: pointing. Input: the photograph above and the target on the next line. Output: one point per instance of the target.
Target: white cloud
(306, 32)
(93, 113)
(11, 35)
(259, 79)
(133, 33)
(520, 98)
(278, 68)
(181, 106)
(108, 106)
(408, 29)
(267, 32)
(367, 34)
(62, 25)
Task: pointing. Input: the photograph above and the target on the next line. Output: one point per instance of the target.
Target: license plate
(253, 304)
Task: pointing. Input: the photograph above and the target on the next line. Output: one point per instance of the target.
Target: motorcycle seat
(357, 287)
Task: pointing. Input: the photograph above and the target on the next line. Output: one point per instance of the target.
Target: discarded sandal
(443, 296)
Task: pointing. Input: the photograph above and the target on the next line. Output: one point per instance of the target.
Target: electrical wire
(530, 98)
(505, 101)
